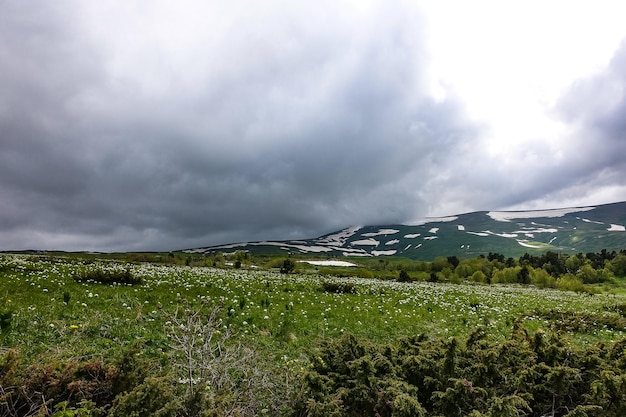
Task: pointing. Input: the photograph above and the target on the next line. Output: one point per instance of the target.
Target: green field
(51, 309)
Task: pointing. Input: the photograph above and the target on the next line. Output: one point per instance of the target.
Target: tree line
(551, 269)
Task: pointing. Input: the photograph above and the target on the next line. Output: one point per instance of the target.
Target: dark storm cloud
(120, 132)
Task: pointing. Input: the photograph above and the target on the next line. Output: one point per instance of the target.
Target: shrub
(71, 386)
(342, 287)
(288, 266)
(583, 322)
(588, 275)
(153, 397)
(569, 282)
(405, 405)
(522, 375)
(619, 308)
(506, 275)
(542, 279)
(219, 376)
(363, 273)
(109, 276)
(479, 276)
(5, 319)
(65, 410)
(404, 276)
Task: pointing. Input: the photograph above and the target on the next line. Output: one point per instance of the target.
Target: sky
(158, 125)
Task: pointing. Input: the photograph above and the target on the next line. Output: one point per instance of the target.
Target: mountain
(512, 233)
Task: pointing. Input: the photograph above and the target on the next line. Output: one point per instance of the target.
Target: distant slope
(568, 230)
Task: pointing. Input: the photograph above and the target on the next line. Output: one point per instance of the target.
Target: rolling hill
(512, 233)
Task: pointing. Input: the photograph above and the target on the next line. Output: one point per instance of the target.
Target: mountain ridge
(512, 233)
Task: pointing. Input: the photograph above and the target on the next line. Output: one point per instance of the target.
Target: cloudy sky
(161, 125)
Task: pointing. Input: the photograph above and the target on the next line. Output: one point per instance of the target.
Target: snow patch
(229, 246)
(323, 245)
(365, 242)
(501, 234)
(199, 250)
(591, 221)
(407, 247)
(616, 228)
(433, 230)
(479, 233)
(530, 245)
(489, 232)
(301, 248)
(384, 252)
(307, 249)
(505, 216)
(430, 237)
(392, 242)
(381, 232)
(412, 235)
(460, 227)
(329, 263)
(528, 230)
(540, 224)
(340, 237)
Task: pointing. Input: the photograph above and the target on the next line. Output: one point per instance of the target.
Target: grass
(47, 310)
(119, 333)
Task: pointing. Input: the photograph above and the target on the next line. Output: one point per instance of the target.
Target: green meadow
(174, 322)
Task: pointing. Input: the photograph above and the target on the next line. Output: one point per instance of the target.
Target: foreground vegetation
(167, 335)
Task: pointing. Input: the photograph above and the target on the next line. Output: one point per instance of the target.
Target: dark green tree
(288, 266)
(523, 276)
(404, 276)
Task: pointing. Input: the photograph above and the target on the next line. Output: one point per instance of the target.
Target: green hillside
(569, 230)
